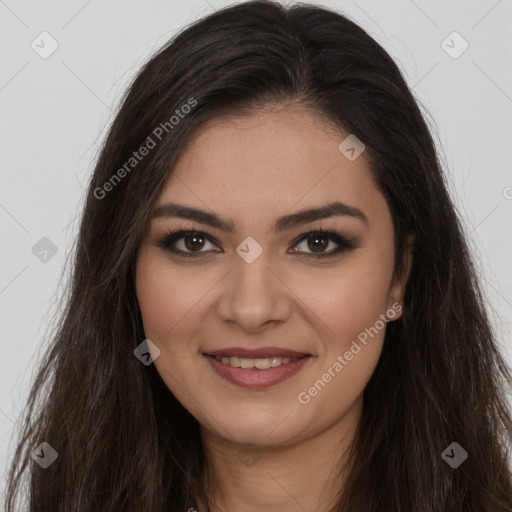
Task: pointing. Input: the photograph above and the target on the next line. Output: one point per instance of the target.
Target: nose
(254, 295)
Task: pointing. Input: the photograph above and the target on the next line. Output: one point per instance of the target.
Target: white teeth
(262, 364)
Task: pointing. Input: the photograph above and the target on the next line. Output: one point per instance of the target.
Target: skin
(253, 169)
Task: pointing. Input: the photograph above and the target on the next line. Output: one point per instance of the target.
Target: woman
(273, 306)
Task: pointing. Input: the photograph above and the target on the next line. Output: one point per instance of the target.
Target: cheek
(166, 297)
(347, 316)
(348, 300)
(350, 309)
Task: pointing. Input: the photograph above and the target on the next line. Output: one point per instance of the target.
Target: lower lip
(254, 377)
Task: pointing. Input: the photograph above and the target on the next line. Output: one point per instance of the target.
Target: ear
(397, 290)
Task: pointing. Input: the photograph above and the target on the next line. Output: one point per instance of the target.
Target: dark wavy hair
(123, 440)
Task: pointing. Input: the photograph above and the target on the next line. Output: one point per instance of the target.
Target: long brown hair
(123, 440)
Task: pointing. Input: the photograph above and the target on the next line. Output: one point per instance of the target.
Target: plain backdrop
(54, 112)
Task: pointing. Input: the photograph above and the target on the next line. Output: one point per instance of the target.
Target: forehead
(269, 161)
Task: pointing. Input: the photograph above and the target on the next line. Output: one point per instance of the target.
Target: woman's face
(260, 285)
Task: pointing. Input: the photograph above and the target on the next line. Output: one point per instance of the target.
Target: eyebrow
(281, 224)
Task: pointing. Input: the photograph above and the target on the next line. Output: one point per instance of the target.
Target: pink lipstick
(286, 365)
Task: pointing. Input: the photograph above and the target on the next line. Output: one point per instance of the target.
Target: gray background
(55, 111)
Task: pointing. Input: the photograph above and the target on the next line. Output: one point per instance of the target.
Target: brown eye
(318, 243)
(315, 244)
(185, 243)
(194, 241)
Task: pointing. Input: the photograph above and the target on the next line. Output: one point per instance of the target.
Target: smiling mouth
(257, 373)
(261, 363)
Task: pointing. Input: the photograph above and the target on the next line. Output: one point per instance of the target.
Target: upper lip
(255, 353)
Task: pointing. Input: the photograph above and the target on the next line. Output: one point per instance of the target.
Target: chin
(270, 432)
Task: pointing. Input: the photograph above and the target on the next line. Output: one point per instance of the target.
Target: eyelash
(345, 244)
